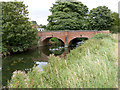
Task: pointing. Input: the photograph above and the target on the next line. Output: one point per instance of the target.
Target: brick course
(69, 34)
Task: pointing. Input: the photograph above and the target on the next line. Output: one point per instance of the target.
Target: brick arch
(47, 38)
(75, 38)
(67, 36)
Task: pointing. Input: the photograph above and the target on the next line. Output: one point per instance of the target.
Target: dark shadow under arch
(77, 40)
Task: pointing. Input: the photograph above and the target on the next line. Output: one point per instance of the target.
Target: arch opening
(53, 41)
(77, 41)
(53, 45)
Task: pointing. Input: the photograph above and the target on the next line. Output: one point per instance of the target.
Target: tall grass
(92, 65)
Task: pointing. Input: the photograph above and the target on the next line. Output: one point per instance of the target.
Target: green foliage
(102, 36)
(116, 26)
(100, 18)
(92, 65)
(117, 19)
(114, 29)
(67, 16)
(73, 15)
(55, 40)
(42, 26)
(34, 22)
(17, 32)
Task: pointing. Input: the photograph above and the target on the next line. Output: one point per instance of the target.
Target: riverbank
(92, 65)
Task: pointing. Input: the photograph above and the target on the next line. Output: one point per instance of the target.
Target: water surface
(26, 60)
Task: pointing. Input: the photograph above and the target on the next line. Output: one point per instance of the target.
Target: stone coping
(75, 31)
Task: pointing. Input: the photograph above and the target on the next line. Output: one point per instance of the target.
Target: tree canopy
(42, 26)
(34, 22)
(73, 15)
(116, 24)
(17, 32)
(67, 16)
(117, 19)
(100, 18)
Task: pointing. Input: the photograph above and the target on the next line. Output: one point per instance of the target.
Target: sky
(39, 9)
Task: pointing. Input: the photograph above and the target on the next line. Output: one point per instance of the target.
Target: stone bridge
(67, 36)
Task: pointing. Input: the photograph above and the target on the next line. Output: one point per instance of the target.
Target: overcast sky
(39, 9)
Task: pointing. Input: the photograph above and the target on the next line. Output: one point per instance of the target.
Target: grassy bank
(92, 65)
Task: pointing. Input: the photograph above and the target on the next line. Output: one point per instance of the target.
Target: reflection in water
(26, 60)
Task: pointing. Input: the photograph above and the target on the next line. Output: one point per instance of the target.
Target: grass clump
(92, 65)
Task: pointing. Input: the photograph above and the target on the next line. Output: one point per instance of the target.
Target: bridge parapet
(67, 36)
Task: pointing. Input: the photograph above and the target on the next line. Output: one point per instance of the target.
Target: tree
(116, 17)
(34, 22)
(67, 16)
(42, 26)
(115, 27)
(100, 18)
(17, 32)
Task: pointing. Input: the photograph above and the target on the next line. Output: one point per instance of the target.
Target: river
(26, 60)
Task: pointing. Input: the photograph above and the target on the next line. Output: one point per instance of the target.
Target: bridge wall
(67, 36)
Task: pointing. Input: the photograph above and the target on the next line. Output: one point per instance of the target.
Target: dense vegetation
(17, 32)
(115, 28)
(67, 16)
(92, 65)
(100, 18)
(74, 15)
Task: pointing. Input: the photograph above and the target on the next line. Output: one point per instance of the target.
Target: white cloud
(39, 10)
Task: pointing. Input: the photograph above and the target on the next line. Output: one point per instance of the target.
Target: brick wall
(69, 34)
